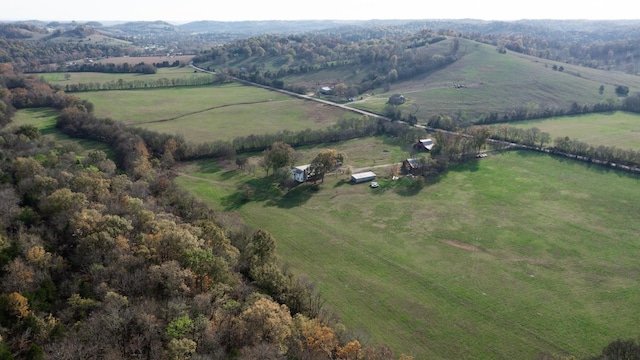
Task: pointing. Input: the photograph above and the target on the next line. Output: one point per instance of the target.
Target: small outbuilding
(424, 144)
(363, 177)
(412, 166)
(326, 90)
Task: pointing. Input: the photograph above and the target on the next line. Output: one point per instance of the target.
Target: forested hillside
(596, 44)
(369, 62)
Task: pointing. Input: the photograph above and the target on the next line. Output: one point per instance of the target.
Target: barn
(362, 177)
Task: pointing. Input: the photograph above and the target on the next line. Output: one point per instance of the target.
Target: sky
(180, 11)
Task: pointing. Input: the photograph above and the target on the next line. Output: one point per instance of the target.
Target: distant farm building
(301, 173)
(325, 90)
(412, 166)
(424, 144)
(363, 177)
(397, 99)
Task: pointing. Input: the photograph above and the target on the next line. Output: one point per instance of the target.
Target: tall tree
(279, 155)
(324, 162)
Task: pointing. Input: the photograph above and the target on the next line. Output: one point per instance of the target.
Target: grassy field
(618, 129)
(496, 82)
(45, 120)
(213, 112)
(504, 258)
(59, 78)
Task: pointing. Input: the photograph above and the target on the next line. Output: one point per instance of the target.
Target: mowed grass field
(508, 257)
(618, 129)
(494, 82)
(208, 113)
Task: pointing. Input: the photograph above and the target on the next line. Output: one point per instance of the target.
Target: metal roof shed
(363, 176)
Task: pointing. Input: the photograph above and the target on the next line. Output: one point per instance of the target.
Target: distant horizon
(181, 22)
(329, 10)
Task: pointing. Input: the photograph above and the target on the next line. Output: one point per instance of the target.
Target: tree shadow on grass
(342, 183)
(252, 190)
(471, 165)
(295, 197)
(264, 190)
(226, 175)
(209, 167)
(588, 164)
(410, 186)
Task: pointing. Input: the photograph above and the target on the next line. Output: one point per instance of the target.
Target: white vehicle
(374, 184)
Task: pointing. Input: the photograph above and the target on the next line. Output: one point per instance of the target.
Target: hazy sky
(192, 10)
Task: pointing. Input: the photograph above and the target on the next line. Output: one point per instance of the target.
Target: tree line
(122, 84)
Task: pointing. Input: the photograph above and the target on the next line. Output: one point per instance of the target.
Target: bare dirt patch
(462, 245)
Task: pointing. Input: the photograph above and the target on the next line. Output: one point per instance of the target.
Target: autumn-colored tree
(17, 305)
(140, 164)
(325, 161)
(351, 351)
(267, 321)
(317, 337)
(18, 276)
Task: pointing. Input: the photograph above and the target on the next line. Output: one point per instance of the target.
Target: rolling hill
(483, 81)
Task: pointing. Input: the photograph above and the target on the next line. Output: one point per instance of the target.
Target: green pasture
(364, 152)
(494, 82)
(209, 113)
(45, 120)
(507, 257)
(59, 78)
(618, 129)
